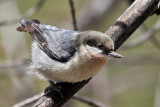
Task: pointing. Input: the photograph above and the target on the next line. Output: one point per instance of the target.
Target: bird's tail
(25, 25)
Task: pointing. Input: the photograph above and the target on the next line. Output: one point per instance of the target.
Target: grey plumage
(59, 41)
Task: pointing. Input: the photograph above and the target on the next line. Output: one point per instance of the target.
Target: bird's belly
(80, 67)
(76, 72)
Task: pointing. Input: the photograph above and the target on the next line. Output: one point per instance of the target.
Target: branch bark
(132, 18)
(56, 100)
(33, 99)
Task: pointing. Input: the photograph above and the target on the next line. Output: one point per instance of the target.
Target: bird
(62, 55)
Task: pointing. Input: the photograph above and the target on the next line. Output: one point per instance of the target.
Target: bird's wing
(56, 43)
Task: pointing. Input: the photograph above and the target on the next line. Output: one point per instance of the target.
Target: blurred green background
(133, 81)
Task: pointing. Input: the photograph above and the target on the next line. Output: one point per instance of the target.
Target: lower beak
(115, 55)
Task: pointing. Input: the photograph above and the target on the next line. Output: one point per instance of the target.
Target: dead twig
(73, 15)
(29, 101)
(155, 42)
(14, 64)
(153, 39)
(157, 93)
(94, 11)
(143, 38)
(88, 101)
(76, 97)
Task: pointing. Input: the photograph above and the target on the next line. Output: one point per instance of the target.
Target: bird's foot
(53, 89)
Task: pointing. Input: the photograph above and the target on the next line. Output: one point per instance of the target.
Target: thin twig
(29, 101)
(94, 11)
(143, 38)
(76, 97)
(88, 101)
(153, 39)
(73, 15)
(155, 42)
(157, 93)
(13, 64)
(29, 13)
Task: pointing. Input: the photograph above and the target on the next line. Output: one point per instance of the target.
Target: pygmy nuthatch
(65, 55)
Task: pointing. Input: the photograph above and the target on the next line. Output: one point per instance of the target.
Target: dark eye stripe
(91, 43)
(100, 46)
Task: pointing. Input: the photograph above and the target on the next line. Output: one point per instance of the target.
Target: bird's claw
(53, 89)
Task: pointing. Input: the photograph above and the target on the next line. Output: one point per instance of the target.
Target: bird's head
(98, 44)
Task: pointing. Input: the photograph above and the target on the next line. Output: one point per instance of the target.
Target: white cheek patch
(93, 50)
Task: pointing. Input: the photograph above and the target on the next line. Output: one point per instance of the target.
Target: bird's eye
(100, 46)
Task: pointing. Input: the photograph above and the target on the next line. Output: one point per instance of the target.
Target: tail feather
(25, 25)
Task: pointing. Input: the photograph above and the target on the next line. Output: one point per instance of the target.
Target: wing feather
(57, 43)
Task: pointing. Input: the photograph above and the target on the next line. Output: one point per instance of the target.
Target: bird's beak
(115, 55)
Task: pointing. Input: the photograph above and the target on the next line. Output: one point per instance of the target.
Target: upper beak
(115, 55)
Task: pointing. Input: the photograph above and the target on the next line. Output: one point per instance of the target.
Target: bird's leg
(53, 89)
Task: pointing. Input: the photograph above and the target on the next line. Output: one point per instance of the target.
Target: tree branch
(67, 91)
(33, 99)
(132, 18)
